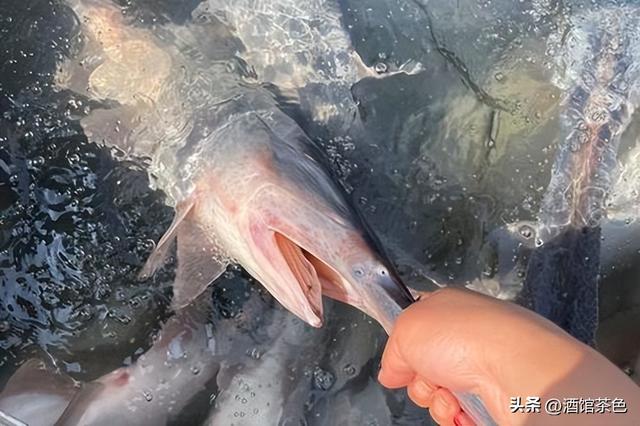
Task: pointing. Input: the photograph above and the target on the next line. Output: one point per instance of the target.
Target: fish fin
(159, 254)
(37, 394)
(200, 262)
(35, 373)
(303, 271)
(87, 394)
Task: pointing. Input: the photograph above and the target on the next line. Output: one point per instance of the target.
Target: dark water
(444, 157)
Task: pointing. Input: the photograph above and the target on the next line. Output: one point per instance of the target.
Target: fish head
(262, 198)
(303, 241)
(300, 258)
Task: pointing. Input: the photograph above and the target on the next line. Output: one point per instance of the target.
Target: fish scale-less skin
(601, 75)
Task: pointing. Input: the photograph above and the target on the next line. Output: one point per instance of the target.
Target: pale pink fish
(261, 198)
(248, 184)
(36, 395)
(155, 389)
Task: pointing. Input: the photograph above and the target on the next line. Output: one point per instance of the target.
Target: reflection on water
(439, 162)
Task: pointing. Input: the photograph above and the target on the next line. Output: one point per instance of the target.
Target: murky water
(455, 147)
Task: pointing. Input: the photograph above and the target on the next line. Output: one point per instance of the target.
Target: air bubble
(323, 379)
(349, 370)
(255, 353)
(526, 231)
(381, 68)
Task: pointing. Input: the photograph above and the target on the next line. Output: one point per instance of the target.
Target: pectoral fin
(159, 254)
(200, 261)
(37, 394)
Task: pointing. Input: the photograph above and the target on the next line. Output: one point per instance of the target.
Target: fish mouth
(379, 295)
(301, 265)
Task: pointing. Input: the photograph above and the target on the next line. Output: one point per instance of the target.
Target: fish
(280, 375)
(181, 364)
(275, 382)
(296, 373)
(37, 394)
(560, 255)
(248, 185)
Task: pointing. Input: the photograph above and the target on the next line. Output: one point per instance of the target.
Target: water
(443, 158)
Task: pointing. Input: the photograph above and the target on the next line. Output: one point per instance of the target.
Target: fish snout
(381, 293)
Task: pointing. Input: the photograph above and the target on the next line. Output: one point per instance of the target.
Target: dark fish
(601, 74)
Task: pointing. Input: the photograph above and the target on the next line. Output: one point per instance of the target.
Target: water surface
(443, 158)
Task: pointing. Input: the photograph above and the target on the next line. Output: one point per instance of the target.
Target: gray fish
(273, 385)
(248, 185)
(297, 373)
(160, 383)
(600, 76)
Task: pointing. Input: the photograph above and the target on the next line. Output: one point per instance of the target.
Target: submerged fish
(295, 373)
(601, 72)
(156, 388)
(247, 183)
(36, 394)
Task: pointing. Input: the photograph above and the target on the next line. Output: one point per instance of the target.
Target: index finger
(395, 372)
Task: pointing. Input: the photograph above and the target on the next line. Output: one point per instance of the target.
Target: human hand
(466, 342)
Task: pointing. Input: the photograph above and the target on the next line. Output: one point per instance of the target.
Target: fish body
(600, 75)
(180, 364)
(162, 381)
(248, 184)
(36, 394)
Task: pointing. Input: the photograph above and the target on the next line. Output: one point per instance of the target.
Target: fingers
(420, 392)
(392, 379)
(444, 407)
(395, 372)
(442, 404)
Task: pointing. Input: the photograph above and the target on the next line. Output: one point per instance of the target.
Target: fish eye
(383, 272)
